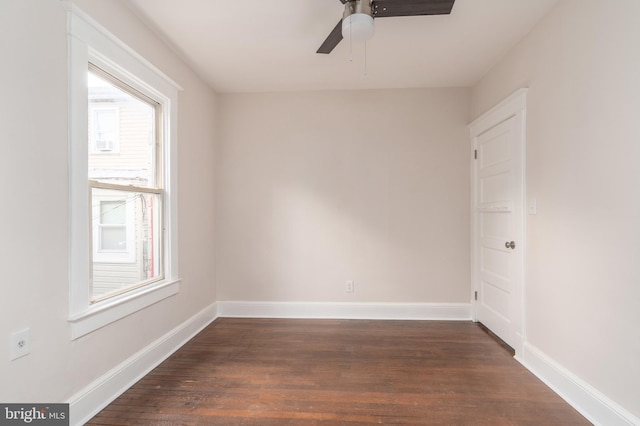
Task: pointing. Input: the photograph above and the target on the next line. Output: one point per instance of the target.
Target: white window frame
(91, 42)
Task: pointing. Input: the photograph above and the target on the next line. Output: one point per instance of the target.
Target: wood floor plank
(332, 372)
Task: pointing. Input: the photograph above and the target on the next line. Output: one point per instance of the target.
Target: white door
(498, 222)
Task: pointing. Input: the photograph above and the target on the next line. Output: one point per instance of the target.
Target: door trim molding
(504, 110)
(513, 106)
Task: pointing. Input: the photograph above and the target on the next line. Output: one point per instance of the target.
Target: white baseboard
(588, 401)
(387, 311)
(591, 403)
(97, 395)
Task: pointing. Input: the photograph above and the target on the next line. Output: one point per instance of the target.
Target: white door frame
(513, 106)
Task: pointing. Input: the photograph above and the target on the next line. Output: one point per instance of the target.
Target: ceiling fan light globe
(358, 27)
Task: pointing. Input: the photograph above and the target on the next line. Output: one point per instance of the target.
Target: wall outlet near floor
(348, 287)
(19, 344)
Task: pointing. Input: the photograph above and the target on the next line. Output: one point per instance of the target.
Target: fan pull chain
(350, 42)
(365, 58)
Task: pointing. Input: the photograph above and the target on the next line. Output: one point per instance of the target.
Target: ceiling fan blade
(387, 8)
(332, 40)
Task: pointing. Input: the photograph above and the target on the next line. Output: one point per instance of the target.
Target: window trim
(91, 42)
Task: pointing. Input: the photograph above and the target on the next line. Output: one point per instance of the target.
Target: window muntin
(125, 198)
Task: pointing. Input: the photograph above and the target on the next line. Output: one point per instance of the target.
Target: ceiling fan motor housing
(357, 20)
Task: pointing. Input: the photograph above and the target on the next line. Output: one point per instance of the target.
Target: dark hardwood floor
(332, 372)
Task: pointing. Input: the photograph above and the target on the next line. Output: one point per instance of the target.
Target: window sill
(103, 313)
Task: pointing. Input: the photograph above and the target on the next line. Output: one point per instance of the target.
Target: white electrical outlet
(349, 286)
(19, 344)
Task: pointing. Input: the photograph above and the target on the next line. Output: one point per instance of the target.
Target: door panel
(496, 300)
(494, 265)
(494, 187)
(498, 151)
(493, 226)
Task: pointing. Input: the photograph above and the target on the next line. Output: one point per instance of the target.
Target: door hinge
(475, 154)
(475, 295)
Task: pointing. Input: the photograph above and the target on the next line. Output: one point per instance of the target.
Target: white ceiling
(270, 45)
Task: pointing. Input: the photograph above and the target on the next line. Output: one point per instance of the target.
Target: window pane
(123, 127)
(127, 240)
(126, 223)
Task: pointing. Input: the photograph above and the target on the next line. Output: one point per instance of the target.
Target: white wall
(582, 65)
(34, 214)
(316, 188)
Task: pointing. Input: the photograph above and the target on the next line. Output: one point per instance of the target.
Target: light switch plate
(349, 286)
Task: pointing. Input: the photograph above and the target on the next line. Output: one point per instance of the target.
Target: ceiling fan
(357, 20)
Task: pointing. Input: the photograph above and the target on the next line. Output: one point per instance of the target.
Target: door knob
(510, 244)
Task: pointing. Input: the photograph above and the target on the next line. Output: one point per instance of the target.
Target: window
(126, 188)
(123, 179)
